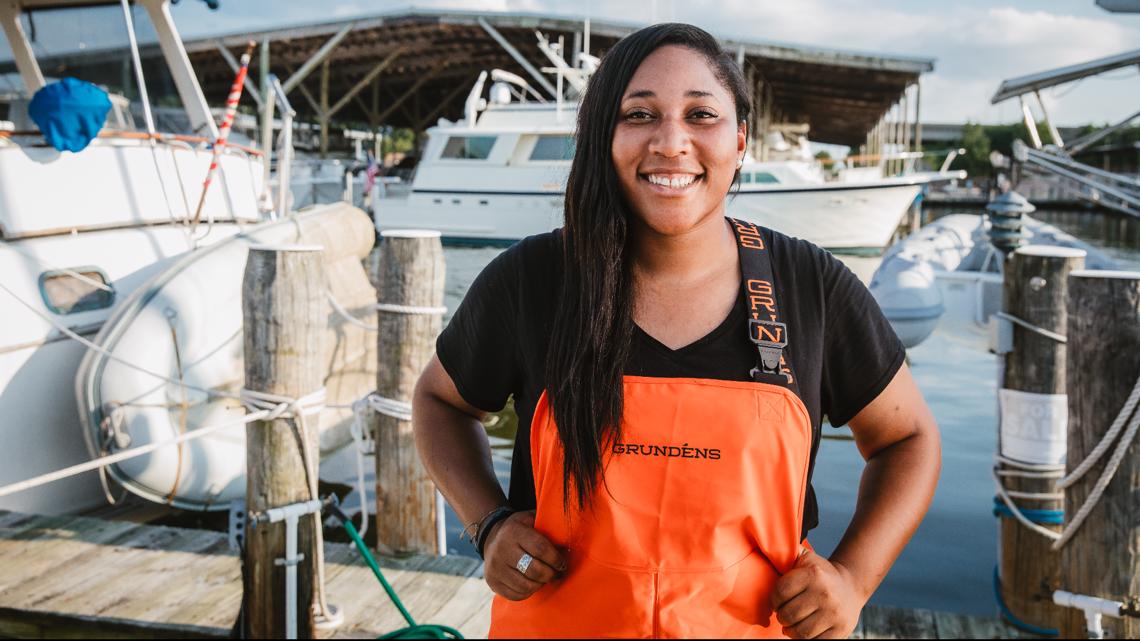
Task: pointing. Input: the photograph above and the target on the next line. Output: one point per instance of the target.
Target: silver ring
(524, 563)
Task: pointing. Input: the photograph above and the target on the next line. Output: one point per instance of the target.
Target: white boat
(185, 323)
(947, 276)
(81, 232)
(499, 175)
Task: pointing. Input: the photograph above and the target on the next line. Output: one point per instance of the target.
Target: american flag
(370, 174)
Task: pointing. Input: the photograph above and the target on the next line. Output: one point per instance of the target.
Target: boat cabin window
(468, 148)
(76, 290)
(762, 177)
(553, 148)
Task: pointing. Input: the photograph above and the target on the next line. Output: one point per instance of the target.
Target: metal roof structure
(408, 68)
(1045, 79)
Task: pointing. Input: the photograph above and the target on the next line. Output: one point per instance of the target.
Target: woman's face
(677, 142)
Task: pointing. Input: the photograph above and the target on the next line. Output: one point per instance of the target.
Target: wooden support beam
(233, 64)
(307, 94)
(323, 113)
(374, 112)
(410, 272)
(1102, 559)
(320, 56)
(1035, 289)
(409, 92)
(283, 310)
(369, 77)
(441, 106)
(523, 62)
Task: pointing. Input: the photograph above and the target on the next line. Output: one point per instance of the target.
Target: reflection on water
(949, 563)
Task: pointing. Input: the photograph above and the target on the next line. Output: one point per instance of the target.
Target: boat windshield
(91, 43)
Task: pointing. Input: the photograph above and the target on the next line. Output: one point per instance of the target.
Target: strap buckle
(770, 337)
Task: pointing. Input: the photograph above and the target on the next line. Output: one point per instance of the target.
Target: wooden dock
(79, 577)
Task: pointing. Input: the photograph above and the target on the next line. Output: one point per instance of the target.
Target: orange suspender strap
(765, 329)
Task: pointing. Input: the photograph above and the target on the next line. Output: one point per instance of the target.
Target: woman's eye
(702, 114)
(638, 115)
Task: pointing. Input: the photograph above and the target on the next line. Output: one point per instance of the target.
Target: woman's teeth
(676, 182)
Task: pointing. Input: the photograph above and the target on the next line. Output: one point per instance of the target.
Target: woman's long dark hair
(593, 329)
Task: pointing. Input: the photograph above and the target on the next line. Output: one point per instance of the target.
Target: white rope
(1105, 441)
(362, 437)
(1060, 338)
(1030, 475)
(1037, 496)
(1102, 483)
(410, 309)
(279, 406)
(1031, 467)
(398, 410)
(1005, 497)
(124, 455)
(63, 270)
(349, 317)
(66, 331)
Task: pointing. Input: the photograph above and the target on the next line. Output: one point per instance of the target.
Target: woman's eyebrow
(647, 93)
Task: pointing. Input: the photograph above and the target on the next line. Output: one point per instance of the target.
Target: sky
(975, 43)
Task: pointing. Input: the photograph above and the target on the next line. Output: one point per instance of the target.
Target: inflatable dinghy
(185, 323)
(947, 275)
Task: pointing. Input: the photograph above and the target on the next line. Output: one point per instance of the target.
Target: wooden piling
(410, 274)
(283, 308)
(1103, 558)
(1035, 290)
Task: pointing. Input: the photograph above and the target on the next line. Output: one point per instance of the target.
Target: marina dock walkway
(75, 577)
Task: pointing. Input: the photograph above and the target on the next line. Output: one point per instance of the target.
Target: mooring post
(283, 309)
(1102, 559)
(410, 293)
(1032, 427)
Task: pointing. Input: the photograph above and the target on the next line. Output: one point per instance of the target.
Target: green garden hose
(414, 630)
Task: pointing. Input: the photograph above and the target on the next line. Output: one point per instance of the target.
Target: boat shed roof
(434, 56)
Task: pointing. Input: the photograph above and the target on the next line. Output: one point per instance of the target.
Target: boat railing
(284, 146)
(112, 134)
(1104, 188)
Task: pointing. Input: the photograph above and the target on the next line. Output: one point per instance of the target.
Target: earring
(740, 163)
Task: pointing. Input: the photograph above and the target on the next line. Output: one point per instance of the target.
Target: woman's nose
(670, 138)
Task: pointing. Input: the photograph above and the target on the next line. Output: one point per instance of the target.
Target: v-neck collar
(731, 322)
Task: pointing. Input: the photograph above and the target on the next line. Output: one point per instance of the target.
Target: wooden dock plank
(98, 571)
(897, 623)
(78, 577)
(139, 574)
(54, 549)
(166, 596)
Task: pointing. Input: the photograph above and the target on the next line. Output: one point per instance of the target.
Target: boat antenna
(139, 78)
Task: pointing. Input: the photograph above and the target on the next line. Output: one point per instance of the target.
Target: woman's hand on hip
(817, 599)
(506, 544)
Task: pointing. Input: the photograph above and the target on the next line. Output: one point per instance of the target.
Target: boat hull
(841, 218)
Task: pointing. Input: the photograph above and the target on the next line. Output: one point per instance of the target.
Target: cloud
(975, 47)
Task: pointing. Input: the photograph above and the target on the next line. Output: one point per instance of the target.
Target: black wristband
(489, 522)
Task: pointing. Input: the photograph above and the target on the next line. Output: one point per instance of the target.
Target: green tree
(976, 160)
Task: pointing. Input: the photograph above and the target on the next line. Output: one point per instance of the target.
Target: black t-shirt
(841, 348)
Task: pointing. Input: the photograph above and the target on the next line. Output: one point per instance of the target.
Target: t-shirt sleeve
(477, 348)
(862, 353)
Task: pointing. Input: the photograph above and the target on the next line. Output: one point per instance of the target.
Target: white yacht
(499, 175)
(117, 245)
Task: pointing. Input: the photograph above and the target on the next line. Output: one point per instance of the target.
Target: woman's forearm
(895, 491)
(457, 454)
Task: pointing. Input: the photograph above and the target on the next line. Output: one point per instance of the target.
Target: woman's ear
(741, 138)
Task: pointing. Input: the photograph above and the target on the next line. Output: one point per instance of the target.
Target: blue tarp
(69, 113)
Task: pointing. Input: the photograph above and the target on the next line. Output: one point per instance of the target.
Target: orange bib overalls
(700, 508)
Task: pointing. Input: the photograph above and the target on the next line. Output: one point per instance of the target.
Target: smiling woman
(670, 368)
